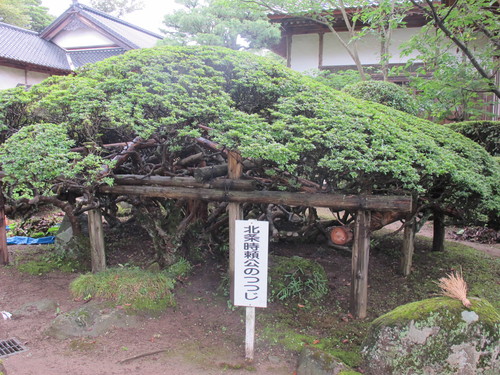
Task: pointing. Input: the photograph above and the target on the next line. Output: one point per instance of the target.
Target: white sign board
(250, 258)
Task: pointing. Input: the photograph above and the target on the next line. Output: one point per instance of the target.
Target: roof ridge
(116, 19)
(111, 31)
(18, 28)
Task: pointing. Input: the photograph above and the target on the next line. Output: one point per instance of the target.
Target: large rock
(77, 247)
(91, 320)
(436, 336)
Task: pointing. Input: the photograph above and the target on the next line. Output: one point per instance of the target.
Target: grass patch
(135, 289)
(296, 279)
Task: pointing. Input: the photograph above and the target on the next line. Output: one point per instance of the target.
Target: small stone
(470, 317)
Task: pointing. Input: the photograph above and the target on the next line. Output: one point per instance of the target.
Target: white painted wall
(304, 52)
(36, 77)
(11, 77)
(81, 38)
(305, 49)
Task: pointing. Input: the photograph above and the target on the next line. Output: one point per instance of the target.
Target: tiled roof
(131, 35)
(26, 46)
(82, 57)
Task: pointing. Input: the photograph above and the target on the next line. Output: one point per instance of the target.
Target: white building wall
(81, 38)
(305, 49)
(304, 54)
(36, 77)
(11, 77)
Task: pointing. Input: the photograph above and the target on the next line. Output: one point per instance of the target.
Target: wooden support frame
(336, 201)
(408, 247)
(235, 170)
(4, 250)
(363, 204)
(96, 235)
(360, 259)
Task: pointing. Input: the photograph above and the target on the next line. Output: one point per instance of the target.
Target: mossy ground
(42, 259)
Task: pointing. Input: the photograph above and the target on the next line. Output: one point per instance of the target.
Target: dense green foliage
(337, 80)
(386, 93)
(486, 133)
(38, 156)
(268, 112)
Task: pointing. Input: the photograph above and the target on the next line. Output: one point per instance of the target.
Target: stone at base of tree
(91, 320)
(64, 235)
(436, 336)
(313, 361)
(76, 247)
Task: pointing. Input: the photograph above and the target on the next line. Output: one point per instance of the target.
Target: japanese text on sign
(251, 249)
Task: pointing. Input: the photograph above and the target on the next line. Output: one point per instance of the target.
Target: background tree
(469, 27)
(381, 18)
(28, 14)
(117, 8)
(213, 22)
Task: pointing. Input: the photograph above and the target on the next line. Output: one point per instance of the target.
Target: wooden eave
(32, 67)
(292, 25)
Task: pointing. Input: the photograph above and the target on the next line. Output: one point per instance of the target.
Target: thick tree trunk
(438, 232)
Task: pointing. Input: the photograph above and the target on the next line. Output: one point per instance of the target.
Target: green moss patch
(133, 288)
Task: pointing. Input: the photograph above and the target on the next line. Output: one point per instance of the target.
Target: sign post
(250, 273)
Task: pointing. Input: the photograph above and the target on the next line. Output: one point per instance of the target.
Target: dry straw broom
(454, 286)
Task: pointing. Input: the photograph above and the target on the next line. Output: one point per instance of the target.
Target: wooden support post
(4, 250)
(408, 247)
(249, 333)
(96, 234)
(235, 170)
(438, 232)
(360, 258)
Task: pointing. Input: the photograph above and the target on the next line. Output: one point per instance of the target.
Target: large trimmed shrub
(386, 93)
(486, 133)
(290, 122)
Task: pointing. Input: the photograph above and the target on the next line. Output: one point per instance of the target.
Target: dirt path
(201, 337)
(427, 229)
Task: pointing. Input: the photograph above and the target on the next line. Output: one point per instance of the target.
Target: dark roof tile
(80, 58)
(27, 47)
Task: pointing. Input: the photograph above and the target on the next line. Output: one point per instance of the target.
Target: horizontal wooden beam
(187, 182)
(335, 201)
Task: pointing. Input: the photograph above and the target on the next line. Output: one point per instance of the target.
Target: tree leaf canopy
(266, 111)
